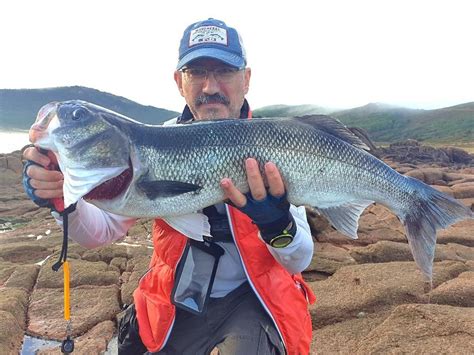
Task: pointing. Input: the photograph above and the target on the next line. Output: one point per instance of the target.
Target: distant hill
(386, 123)
(18, 108)
(290, 110)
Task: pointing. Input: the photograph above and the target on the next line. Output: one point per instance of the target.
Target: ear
(247, 75)
(178, 78)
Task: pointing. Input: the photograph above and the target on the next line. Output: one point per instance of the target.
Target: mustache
(212, 99)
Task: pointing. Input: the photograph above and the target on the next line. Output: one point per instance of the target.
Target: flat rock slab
(403, 329)
(382, 252)
(120, 250)
(377, 216)
(90, 305)
(82, 273)
(422, 328)
(14, 301)
(328, 258)
(23, 276)
(93, 342)
(136, 268)
(6, 270)
(386, 251)
(370, 288)
(344, 337)
(375, 224)
(456, 292)
(459, 233)
(23, 252)
(11, 334)
(463, 190)
(120, 263)
(432, 176)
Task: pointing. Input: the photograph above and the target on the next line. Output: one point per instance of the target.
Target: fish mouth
(117, 186)
(39, 129)
(113, 187)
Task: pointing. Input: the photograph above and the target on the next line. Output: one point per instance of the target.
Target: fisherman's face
(213, 96)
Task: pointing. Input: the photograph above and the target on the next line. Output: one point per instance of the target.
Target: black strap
(63, 255)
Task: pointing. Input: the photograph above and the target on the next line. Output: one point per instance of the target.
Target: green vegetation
(11, 223)
(18, 108)
(389, 124)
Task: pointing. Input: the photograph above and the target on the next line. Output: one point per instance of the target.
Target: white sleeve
(92, 227)
(297, 256)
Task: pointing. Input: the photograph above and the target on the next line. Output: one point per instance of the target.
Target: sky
(336, 54)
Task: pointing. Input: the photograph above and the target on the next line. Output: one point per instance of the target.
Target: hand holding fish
(256, 183)
(43, 183)
(268, 207)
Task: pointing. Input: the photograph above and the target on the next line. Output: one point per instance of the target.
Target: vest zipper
(168, 333)
(174, 318)
(248, 277)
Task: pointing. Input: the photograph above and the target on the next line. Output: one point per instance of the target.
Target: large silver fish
(139, 170)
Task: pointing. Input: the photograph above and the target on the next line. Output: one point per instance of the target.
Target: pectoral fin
(165, 188)
(345, 217)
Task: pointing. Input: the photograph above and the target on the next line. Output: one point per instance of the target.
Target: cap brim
(231, 59)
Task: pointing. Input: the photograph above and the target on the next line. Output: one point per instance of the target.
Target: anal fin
(345, 217)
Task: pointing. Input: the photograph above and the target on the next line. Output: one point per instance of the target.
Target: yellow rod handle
(67, 308)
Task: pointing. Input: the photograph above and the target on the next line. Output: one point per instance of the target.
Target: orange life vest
(285, 297)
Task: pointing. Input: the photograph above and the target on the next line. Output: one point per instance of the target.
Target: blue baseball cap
(212, 39)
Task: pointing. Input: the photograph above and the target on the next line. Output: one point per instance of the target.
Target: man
(239, 290)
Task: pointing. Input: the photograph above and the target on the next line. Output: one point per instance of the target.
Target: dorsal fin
(333, 127)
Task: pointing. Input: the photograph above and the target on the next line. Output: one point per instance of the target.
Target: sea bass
(138, 170)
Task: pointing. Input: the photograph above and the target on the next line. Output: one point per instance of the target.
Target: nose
(210, 85)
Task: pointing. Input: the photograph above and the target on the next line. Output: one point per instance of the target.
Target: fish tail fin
(431, 210)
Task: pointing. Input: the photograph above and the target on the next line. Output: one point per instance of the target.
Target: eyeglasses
(197, 75)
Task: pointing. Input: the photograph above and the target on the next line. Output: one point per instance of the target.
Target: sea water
(13, 140)
(31, 345)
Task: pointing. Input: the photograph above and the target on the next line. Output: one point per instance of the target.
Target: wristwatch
(283, 239)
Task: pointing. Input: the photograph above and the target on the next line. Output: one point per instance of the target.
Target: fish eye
(78, 113)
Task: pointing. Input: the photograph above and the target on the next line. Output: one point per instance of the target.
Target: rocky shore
(371, 298)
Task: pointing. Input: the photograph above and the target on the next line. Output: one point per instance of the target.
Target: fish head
(92, 149)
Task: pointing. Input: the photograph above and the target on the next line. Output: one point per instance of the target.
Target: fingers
(256, 183)
(276, 186)
(47, 183)
(49, 194)
(36, 172)
(34, 154)
(255, 180)
(231, 193)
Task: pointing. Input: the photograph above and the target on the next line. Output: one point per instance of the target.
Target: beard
(216, 98)
(209, 113)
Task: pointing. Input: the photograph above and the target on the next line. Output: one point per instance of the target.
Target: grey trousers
(235, 324)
